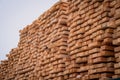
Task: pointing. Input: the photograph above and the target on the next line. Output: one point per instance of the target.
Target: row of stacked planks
(73, 40)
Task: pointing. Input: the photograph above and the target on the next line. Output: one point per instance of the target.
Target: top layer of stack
(70, 41)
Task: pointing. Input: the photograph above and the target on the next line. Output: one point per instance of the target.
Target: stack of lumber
(52, 44)
(73, 40)
(90, 40)
(3, 69)
(116, 39)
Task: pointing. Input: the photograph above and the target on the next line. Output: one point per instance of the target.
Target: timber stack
(73, 40)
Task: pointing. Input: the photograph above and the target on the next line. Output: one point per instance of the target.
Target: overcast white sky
(15, 15)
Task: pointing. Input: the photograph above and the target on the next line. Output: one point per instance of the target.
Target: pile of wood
(41, 52)
(116, 39)
(3, 69)
(52, 44)
(90, 39)
(73, 40)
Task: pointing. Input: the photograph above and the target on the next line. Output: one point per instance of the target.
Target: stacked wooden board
(116, 39)
(52, 44)
(73, 40)
(3, 69)
(42, 48)
(90, 39)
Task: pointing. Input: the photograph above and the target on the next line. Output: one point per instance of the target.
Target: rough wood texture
(73, 40)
